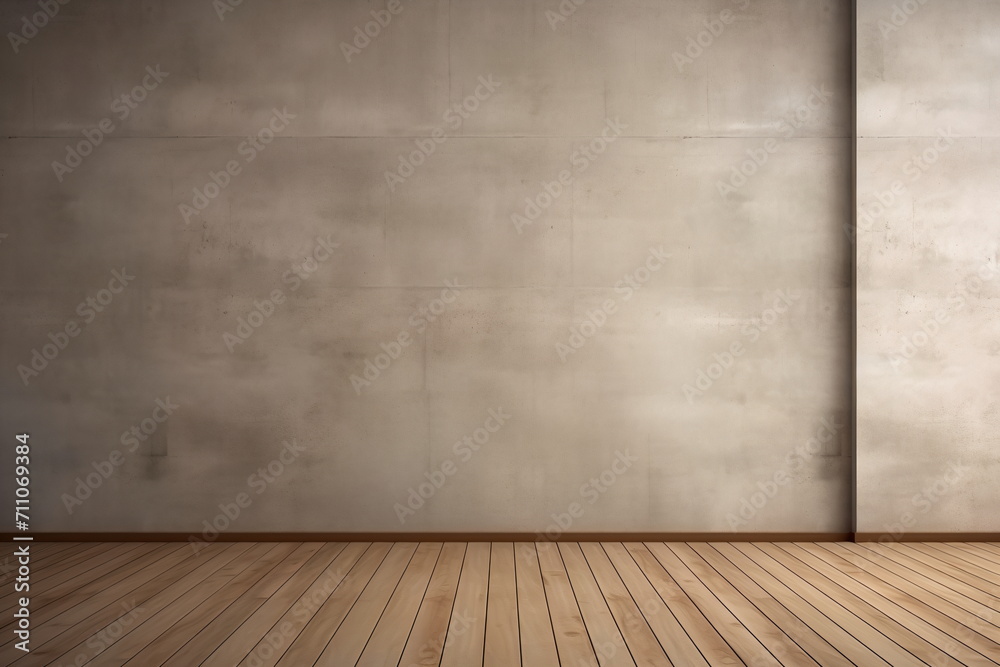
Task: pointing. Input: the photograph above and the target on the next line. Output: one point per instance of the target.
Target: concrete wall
(928, 306)
(665, 339)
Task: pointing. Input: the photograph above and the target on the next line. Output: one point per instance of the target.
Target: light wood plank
(77, 571)
(325, 602)
(209, 634)
(430, 629)
(309, 644)
(46, 569)
(606, 638)
(538, 644)
(349, 640)
(930, 623)
(163, 591)
(711, 644)
(815, 616)
(55, 601)
(456, 605)
(893, 605)
(67, 629)
(950, 576)
(39, 558)
(811, 589)
(65, 550)
(818, 648)
(735, 633)
(38, 549)
(41, 547)
(47, 552)
(784, 650)
(165, 632)
(642, 642)
(572, 641)
(987, 546)
(984, 568)
(467, 630)
(502, 648)
(43, 564)
(978, 550)
(392, 630)
(944, 598)
(964, 571)
(236, 645)
(675, 641)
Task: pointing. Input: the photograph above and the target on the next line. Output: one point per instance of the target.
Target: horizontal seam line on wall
(425, 136)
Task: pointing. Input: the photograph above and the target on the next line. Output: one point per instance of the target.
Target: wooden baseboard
(927, 537)
(439, 537)
(508, 537)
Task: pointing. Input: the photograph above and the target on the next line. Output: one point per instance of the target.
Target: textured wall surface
(492, 266)
(928, 287)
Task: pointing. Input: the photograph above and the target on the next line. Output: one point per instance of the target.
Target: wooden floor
(457, 604)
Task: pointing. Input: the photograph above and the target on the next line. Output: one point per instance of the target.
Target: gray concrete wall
(659, 342)
(928, 306)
